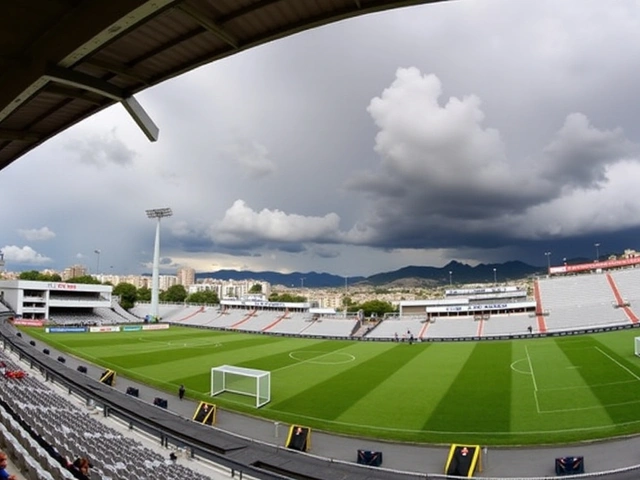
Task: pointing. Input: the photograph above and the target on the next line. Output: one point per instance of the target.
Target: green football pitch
(535, 391)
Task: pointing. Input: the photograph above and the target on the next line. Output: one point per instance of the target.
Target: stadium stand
(260, 320)
(391, 327)
(579, 301)
(331, 327)
(292, 324)
(454, 327)
(512, 324)
(64, 432)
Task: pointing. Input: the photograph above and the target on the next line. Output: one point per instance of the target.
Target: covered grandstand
(63, 303)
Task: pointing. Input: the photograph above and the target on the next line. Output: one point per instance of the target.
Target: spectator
(4, 475)
(80, 468)
(181, 391)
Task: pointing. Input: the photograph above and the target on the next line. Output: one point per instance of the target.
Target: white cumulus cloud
(23, 255)
(242, 225)
(37, 234)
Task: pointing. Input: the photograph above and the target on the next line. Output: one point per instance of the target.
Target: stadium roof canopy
(64, 60)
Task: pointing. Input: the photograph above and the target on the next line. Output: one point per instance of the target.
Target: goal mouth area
(242, 381)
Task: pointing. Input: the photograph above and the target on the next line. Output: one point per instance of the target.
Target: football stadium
(482, 368)
(490, 381)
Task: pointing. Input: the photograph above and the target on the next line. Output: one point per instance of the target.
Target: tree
(174, 294)
(29, 275)
(50, 277)
(207, 297)
(376, 306)
(86, 279)
(143, 294)
(287, 297)
(256, 288)
(127, 293)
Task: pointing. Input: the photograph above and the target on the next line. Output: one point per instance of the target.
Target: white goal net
(243, 381)
(637, 346)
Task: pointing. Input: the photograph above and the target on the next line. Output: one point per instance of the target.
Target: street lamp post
(548, 255)
(302, 282)
(495, 276)
(158, 214)
(597, 245)
(450, 278)
(97, 252)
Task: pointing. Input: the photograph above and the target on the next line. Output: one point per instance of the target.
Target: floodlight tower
(157, 213)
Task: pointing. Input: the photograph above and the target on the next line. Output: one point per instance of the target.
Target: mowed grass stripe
(550, 364)
(292, 380)
(295, 353)
(479, 400)
(548, 409)
(188, 353)
(420, 383)
(611, 380)
(250, 355)
(333, 396)
(103, 344)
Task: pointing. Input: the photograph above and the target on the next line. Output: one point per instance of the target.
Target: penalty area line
(618, 363)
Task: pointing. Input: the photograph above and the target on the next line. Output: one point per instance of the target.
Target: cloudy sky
(474, 130)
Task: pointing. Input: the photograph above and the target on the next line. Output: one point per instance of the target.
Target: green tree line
(129, 295)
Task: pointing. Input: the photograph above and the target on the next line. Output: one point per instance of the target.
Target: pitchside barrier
(463, 460)
(299, 438)
(368, 457)
(569, 465)
(205, 413)
(108, 377)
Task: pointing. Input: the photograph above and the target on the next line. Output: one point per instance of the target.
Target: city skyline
(480, 132)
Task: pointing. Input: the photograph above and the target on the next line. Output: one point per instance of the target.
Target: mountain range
(452, 273)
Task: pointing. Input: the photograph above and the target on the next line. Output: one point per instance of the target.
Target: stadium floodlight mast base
(159, 214)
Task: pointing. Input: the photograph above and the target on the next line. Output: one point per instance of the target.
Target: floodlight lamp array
(159, 213)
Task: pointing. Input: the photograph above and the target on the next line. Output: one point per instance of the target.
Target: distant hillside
(460, 273)
(295, 279)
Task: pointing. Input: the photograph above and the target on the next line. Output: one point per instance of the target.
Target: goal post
(637, 346)
(243, 381)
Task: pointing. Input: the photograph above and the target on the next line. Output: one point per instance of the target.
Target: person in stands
(80, 468)
(4, 475)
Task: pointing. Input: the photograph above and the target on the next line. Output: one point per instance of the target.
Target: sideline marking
(445, 432)
(193, 343)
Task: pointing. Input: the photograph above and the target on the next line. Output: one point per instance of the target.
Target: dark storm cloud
(453, 182)
(515, 128)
